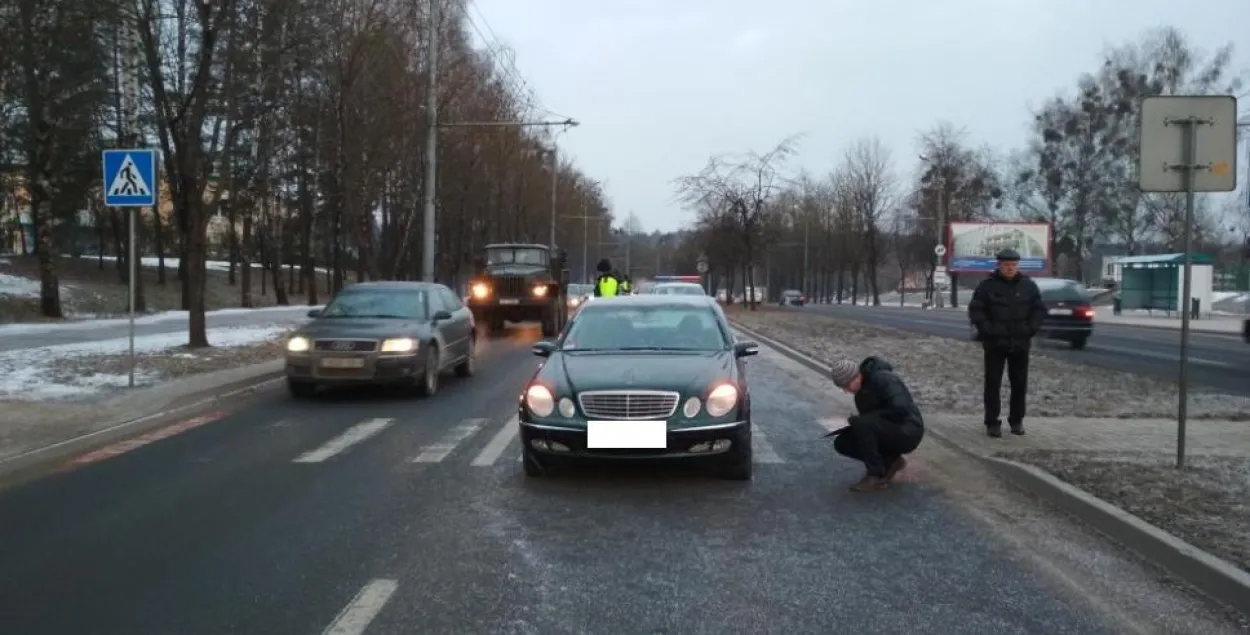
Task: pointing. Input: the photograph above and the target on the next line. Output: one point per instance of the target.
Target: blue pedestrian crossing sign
(130, 178)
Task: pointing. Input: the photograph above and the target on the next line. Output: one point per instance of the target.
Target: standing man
(887, 424)
(1007, 311)
(607, 284)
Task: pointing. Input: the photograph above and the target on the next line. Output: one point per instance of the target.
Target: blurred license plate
(1061, 311)
(627, 435)
(509, 301)
(342, 362)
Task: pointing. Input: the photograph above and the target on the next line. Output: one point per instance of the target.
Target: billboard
(972, 246)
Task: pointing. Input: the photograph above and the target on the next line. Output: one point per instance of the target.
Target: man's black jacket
(1007, 313)
(884, 397)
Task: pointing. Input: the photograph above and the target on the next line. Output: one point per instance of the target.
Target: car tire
(468, 367)
(301, 389)
(1079, 343)
(427, 383)
(738, 465)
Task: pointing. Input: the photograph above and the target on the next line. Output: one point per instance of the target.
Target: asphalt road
(379, 513)
(94, 331)
(1216, 362)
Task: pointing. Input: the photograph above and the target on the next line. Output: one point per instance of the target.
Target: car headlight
(574, 302)
(481, 290)
(539, 400)
(399, 345)
(692, 407)
(721, 400)
(567, 409)
(540, 291)
(298, 344)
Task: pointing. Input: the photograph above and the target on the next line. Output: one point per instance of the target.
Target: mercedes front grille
(622, 405)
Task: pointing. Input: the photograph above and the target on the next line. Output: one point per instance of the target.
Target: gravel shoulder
(945, 375)
(1207, 504)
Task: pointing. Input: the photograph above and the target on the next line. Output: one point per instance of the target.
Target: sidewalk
(1217, 324)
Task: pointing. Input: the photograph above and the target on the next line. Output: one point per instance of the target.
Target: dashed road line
(361, 611)
(761, 450)
(498, 443)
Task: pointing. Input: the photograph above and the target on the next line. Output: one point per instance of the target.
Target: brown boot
(895, 467)
(870, 483)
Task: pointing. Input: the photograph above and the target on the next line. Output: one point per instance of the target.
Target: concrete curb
(254, 378)
(1213, 576)
(1174, 329)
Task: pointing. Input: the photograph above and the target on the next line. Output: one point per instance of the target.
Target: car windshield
(678, 289)
(400, 304)
(1063, 293)
(617, 328)
(516, 256)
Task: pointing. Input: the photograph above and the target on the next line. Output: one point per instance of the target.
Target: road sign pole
(1185, 125)
(134, 272)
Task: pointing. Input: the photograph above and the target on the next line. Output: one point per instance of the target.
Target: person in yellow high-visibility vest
(627, 287)
(606, 286)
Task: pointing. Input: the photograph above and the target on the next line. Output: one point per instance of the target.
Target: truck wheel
(550, 328)
(494, 325)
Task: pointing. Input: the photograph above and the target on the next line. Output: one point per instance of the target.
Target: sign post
(1188, 144)
(130, 181)
(701, 266)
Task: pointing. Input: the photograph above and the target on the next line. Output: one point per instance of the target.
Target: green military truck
(519, 282)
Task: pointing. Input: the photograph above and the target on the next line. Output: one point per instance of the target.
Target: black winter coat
(1007, 313)
(885, 397)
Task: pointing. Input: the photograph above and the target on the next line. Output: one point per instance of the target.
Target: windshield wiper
(374, 316)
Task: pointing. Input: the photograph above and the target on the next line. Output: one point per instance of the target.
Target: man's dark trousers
(1016, 362)
(877, 443)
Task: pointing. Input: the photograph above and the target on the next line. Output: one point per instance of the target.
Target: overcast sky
(661, 85)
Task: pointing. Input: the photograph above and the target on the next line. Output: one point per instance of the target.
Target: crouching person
(887, 425)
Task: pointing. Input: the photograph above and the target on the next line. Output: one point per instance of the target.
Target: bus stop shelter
(1155, 283)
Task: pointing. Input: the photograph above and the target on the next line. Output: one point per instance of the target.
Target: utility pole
(431, 143)
(585, 218)
(555, 174)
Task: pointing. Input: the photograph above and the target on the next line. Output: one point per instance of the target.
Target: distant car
(677, 288)
(405, 333)
(647, 377)
(793, 297)
(1069, 313)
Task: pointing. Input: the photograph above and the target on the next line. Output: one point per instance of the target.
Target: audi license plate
(1061, 311)
(509, 301)
(342, 362)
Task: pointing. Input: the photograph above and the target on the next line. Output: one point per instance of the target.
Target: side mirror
(543, 349)
(746, 349)
(439, 316)
(314, 313)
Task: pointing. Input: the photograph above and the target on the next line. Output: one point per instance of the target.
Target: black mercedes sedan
(405, 333)
(639, 378)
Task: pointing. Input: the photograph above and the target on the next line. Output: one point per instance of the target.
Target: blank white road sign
(1163, 143)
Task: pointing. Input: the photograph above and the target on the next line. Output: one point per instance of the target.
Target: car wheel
(1079, 343)
(468, 367)
(427, 383)
(737, 466)
(301, 389)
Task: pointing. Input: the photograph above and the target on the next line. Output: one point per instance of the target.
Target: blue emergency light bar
(695, 279)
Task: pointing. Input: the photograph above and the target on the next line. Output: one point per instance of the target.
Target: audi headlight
(540, 400)
(399, 345)
(481, 290)
(692, 407)
(298, 344)
(540, 291)
(721, 400)
(567, 409)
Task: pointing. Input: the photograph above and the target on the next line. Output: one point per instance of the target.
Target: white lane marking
(498, 443)
(762, 451)
(356, 616)
(455, 437)
(352, 436)
(1153, 355)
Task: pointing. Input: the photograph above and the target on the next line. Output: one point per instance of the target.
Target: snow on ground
(153, 262)
(18, 286)
(274, 312)
(24, 374)
(945, 375)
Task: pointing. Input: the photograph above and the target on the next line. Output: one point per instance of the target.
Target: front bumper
(1066, 331)
(375, 368)
(567, 441)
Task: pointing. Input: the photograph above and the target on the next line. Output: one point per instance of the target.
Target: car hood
(367, 328)
(688, 373)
